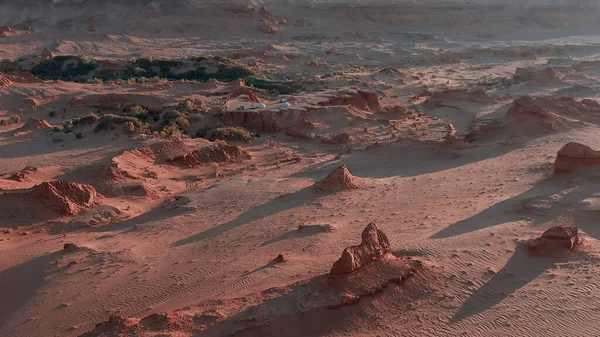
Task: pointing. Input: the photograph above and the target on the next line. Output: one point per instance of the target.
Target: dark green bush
(91, 118)
(226, 133)
(170, 117)
(109, 121)
(283, 88)
(53, 69)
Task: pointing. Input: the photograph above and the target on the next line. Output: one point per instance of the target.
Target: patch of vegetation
(226, 133)
(90, 119)
(8, 67)
(176, 117)
(109, 121)
(170, 131)
(79, 69)
(193, 106)
(137, 111)
(71, 68)
(129, 127)
(282, 88)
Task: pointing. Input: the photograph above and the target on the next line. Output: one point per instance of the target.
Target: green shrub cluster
(109, 121)
(71, 68)
(226, 133)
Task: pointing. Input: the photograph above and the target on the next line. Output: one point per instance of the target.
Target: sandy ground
(458, 172)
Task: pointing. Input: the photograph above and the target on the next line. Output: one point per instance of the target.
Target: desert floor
(448, 119)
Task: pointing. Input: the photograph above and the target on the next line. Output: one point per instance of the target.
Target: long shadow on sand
(41, 143)
(520, 270)
(20, 283)
(513, 209)
(259, 321)
(406, 159)
(277, 205)
(306, 232)
(589, 222)
(158, 213)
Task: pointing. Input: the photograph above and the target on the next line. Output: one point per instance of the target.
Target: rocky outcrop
(34, 124)
(219, 152)
(5, 31)
(152, 10)
(364, 100)
(449, 97)
(267, 28)
(299, 133)
(555, 240)
(24, 174)
(341, 138)
(114, 326)
(574, 156)
(65, 198)
(20, 77)
(339, 179)
(548, 75)
(548, 113)
(256, 120)
(238, 88)
(46, 54)
(374, 245)
(115, 101)
(47, 200)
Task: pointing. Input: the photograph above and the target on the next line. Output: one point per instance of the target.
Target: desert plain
(299, 168)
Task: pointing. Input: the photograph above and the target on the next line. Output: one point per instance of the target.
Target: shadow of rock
(20, 283)
(317, 306)
(535, 203)
(277, 205)
(519, 271)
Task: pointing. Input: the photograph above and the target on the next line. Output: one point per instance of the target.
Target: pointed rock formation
(574, 156)
(374, 245)
(46, 54)
(555, 239)
(339, 179)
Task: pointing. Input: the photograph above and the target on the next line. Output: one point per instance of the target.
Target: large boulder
(574, 156)
(339, 179)
(555, 240)
(374, 245)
